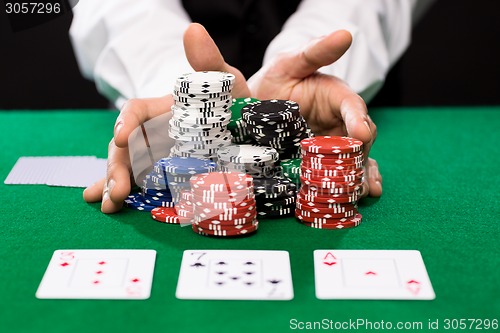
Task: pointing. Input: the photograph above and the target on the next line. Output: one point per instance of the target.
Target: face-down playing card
(235, 274)
(98, 274)
(371, 274)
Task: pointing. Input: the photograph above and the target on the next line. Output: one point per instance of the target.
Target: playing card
(371, 274)
(235, 274)
(68, 171)
(98, 274)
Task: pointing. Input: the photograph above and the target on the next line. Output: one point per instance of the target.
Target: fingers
(137, 111)
(204, 55)
(319, 53)
(93, 193)
(372, 185)
(116, 186)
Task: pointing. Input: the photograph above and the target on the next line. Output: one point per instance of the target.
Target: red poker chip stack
(223, 204)
(181, 214)
(331, 177)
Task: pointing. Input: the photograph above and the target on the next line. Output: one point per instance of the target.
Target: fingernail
(105, 195)
(118, 127)
(369, 129)
(111, 185)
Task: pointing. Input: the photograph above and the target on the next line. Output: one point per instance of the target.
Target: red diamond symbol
(99, 272)
(64, 264)
(135, 280)
(96, 282)
(102, 263)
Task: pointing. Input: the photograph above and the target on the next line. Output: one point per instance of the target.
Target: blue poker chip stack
(163, 186)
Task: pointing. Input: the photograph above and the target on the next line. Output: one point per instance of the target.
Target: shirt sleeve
(381, 31)
(130, 48)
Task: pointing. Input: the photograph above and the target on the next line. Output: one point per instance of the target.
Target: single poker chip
(339, 209)
(204, 141)
(318, 175)
(197, 131)
(232, 222)
(190, 120)
(185, 126)
(200, 145)
(156, 193)
(324, 220)
(166, 215)
(244, 230)
(223, 195)
(344, 167)
(204, 106)
(232, 199)
(214, 96)
(328, 161)
(275, 134)
(328, 199)
(247, 154)
(158, 203)
(211, 211)
(135, 201)
(331, 184)
(341, 223)
(312, 189)
(264, 197)
(276, 213)
(180, 111)
(202, 90)
(163, 197)
(342, 156)
(185, 165)
(330, 215)
(179, 97)
(221, 181)
(309, 205)
(205, 79)
(331, 173)
(224, 217)
(273, 186)
(182, 136)
(331, 145)
(264, 204)
(265, 130)
(208, 95)
(270, 110)
(226, 205)
(353, 222)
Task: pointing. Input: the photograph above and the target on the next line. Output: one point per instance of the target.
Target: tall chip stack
(331, 177)
(201, 113)
(224, 204)
(278, 124)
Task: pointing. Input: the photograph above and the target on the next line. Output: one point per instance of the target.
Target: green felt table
(440, 169)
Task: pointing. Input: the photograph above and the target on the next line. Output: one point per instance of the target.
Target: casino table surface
(441, 196)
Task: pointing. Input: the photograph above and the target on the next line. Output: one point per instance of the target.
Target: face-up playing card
(98, 274)
(371, 274)
(235, 274)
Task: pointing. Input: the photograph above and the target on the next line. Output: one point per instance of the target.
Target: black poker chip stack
(278, 124)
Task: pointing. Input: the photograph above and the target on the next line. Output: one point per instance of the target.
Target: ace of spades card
(235, 275)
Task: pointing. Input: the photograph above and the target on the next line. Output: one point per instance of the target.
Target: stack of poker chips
(256, 161)
(224, 204)
(181, 214)
(154, 193)
(275, 196)
(332, 177)
(163, 185)
(290, 168)
(201, 113)
(278, 124)
(237, 126)
(174, 173)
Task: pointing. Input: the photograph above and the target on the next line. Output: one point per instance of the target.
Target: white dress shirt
(134, 48)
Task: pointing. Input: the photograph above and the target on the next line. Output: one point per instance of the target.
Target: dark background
(453, 60)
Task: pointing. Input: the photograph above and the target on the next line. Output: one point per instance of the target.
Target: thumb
(204, 55)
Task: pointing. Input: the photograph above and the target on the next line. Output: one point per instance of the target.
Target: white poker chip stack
(201, 113)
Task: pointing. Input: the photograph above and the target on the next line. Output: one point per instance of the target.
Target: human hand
(327, 103)
(203, 55)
